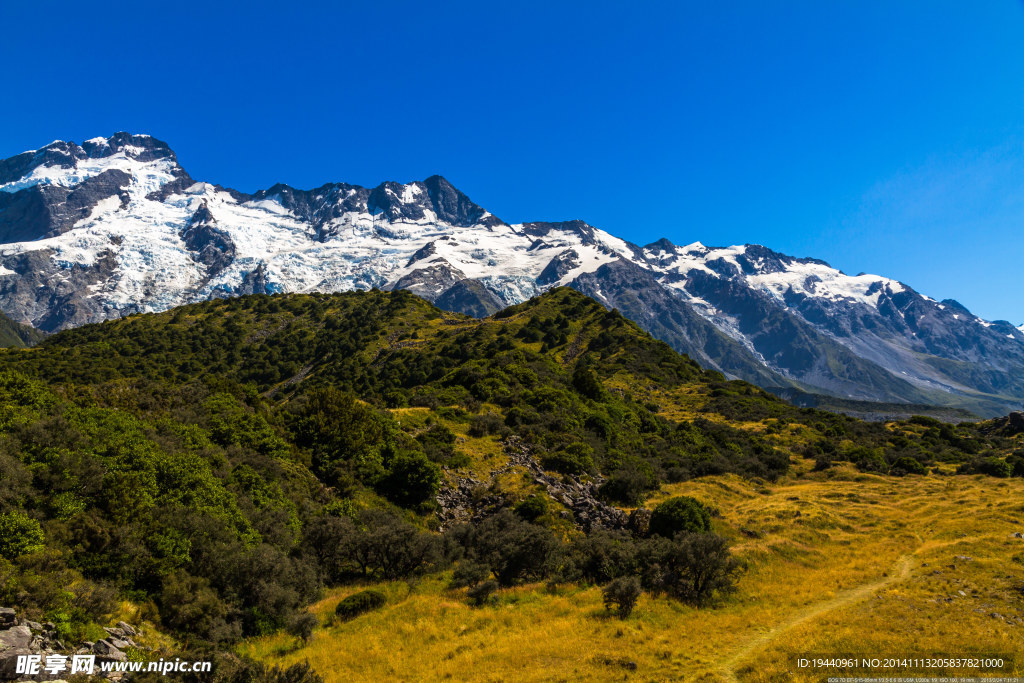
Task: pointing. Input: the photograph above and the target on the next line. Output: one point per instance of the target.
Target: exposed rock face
(115, 226)
(637, 294)
(47, 211)
(434, 199)
(208, 245)
(431, 282)
(559, 267)
(587, 234)
(470, 297)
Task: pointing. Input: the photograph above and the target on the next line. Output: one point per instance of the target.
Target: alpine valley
(115, 226)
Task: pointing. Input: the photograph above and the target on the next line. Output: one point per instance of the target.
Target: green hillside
(220, 464)
(14, 334)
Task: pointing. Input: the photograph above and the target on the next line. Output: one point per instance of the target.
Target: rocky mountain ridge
(116, 226)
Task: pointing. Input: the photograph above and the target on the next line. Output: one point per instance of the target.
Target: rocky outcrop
(471, 499)
(22, 637)
(1011, 425)
(579, 496)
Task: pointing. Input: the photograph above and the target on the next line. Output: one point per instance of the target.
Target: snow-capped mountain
(116, 226)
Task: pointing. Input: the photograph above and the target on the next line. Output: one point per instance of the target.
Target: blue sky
(885, 137)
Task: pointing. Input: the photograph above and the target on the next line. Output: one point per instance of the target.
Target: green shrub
(868, 459)
(488, 423)
(907, 465)
(19, 535)
(377, 544)
(189, 604)
(585, 381)
(628, 485)
(532, 508)
(622, 594)
(468, 574)
(439, 445)
(576, 458)
(302, 626)
(992, 466)
(995, 467)
(411, 479)
(681, 514)
(1016, 461)
(599, 557)
(360, 603)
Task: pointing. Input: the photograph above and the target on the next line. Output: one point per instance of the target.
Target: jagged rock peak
(68, 155)
(432, 199)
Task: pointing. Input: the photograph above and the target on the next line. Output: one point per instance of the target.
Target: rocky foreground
(20, 637)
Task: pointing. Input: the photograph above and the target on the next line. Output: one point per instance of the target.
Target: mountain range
(115, 226)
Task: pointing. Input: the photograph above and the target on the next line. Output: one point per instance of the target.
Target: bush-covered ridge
(221, 462)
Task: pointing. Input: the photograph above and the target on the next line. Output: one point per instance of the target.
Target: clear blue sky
(885, 137)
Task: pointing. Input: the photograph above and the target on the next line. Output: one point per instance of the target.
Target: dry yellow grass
(838, 563)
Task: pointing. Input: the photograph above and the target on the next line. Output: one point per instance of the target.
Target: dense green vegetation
(221, 463)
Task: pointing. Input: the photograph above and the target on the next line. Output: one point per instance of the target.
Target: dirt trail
(898, 572)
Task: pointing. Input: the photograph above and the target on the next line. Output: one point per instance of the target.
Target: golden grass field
(845, 563)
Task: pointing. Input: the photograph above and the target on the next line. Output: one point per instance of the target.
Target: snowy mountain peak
(56, 162)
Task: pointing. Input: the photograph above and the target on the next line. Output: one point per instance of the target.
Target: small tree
(622, 594)
(995, 467)
(1016, 461)
(585, 381)
(600, 557)
(481, 593)
(694, 568)
(302, 626)
(514, 549)
(628, 484)
(469, 574)
(680, 514)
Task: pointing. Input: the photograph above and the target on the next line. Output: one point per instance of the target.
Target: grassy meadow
(838, 562)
